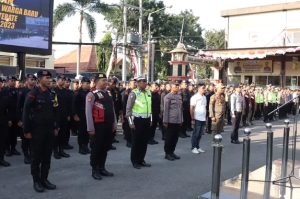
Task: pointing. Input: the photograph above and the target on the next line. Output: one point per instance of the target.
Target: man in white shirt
(198, 114)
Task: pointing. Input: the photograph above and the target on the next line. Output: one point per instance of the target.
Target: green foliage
(165, 29)
(104, 51)
(215, 39)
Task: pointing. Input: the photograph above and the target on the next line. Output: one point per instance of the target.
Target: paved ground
(183, 179)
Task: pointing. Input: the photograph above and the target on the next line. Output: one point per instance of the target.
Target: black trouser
(236, 126)
(228, 115)
(126, 130)
(140, 137)
(67, 134)
(172, 135)
(208, 126)
(41, 150)
(186, 121)
(245, 116)
(3, 138)
(25, 145)
(259, 110)
(268, 109)
(100, 143)
(163, 129)
(59, 141)
(13, 132)
(155, 120)
(83, 136)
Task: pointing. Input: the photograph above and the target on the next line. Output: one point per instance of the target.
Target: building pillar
(282, 71)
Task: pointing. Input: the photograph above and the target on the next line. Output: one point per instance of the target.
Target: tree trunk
(79, 45)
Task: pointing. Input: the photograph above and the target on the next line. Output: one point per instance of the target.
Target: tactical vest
(259, 98)
(142, 104)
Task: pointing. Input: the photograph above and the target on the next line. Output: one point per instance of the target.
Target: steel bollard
(245, 167)
(216, 172)
(285, 152)
(269, 160)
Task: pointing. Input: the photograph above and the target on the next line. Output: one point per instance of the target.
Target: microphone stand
(282, 181)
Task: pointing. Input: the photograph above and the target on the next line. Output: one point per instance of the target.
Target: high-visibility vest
(259, 98)
(142, 105)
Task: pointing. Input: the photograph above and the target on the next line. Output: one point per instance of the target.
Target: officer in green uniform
(217, 107)
(259, 103)
(139, 114)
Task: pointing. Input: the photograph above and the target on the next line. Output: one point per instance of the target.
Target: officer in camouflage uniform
(217, 107)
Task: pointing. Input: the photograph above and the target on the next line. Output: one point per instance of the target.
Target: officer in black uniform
(3, 122)
(13, 128)
(75, 125)
(30, 84)
(69, 97)
(79, 115)
(117, 99)
(125, 125)
(101, 122)
(155, 112)
(186, 108)
(209, 93)
(40, 126)
(64, 118)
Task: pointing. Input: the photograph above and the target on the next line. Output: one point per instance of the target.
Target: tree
(104, 51)
(215, 39)
(165, 29)
(83, 8)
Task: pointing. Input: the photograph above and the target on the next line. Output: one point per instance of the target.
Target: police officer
(125, 125)
(186, 96)
(138, 112)
(30, 84)
(79, 115)
(69, 97)
(155, 112)
(163, 93)
(13, 128)
(236, 108)
(101, 122)
(64, 118)
(209, 93)
(217, 109)
(173, 119)
(3, 122)
(40, 126)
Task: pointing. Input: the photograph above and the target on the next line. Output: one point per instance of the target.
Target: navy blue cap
(61, 76)
(100, 76)
(30, 76)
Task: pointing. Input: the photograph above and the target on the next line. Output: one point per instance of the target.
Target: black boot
(63, 154)
(27, 159)
(169, 157)
(4, 163)
(38, 187)
(56, 155)
(48, 185)
(82, 151)
(96, 174)
(86, 149)
(106, 173)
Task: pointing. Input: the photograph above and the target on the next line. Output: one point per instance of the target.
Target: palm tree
(83, 8)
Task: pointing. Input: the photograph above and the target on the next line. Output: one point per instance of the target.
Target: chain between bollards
(245, 167)
(269, 160)
(216, 172)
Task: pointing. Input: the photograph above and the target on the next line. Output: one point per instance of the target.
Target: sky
(208, 11)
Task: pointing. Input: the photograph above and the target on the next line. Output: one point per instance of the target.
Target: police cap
(43, 73)
(11, 77)
(30, 76)
(141, 78)
(100, 76)
(175, 82)
(85, 79)
(61, 76)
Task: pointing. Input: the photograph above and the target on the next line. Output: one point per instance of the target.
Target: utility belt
(141, 115)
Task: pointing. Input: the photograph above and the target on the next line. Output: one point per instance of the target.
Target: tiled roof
(88, 60)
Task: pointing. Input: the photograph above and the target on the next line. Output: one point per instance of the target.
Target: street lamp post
(151, 66)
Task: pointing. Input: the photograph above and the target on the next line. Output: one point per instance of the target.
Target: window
(179, 70)
(234, 79)
(35, 62)
(274, 80)
(261, 80)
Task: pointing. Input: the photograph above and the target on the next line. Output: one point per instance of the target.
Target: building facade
(262, 46)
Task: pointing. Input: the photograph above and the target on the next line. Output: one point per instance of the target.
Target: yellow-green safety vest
(142, 105)
(259, 98)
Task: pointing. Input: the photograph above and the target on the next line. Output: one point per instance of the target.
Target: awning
(258, 53)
